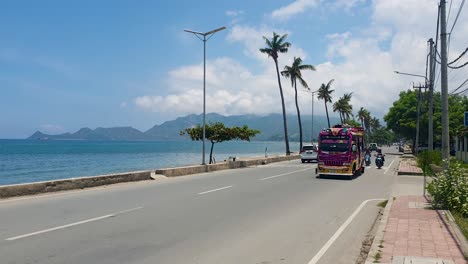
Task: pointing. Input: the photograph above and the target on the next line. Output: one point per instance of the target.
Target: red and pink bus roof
(335, 131)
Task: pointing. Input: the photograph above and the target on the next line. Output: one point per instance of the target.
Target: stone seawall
(71, 184)
(242, 163)
(87, 182)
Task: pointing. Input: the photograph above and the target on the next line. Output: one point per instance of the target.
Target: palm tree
(339, 107)
(274, 46)
(347, 110)
(324, 93)
(375, 124)
(364, 117)
(294, 73)
(361, 114)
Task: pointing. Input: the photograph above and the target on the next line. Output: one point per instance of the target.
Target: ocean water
(23, 161)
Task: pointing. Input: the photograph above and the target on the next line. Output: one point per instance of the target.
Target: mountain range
(271, 127)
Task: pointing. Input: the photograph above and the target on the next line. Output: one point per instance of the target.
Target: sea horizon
(29, 160)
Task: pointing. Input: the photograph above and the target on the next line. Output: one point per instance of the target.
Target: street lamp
(199, 35)
(410, 74)
(312, 131)
(419, 106)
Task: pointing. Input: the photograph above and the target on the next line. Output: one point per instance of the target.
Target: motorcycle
(379, 161)
(367, 159)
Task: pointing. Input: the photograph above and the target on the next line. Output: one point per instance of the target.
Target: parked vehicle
(309, 153)
(341, 151)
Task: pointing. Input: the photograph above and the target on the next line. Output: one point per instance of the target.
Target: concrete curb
(379, 235)
(7, 191)
(71, 184)
(454, 230)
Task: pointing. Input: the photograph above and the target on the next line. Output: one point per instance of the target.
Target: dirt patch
(367, 243)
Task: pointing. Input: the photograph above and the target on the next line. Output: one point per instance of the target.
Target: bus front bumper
(338, 170)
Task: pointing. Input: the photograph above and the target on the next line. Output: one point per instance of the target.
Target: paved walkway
(409, 167)
(414, 231)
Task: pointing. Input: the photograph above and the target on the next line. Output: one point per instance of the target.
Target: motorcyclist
(379, 154)
(368, 154)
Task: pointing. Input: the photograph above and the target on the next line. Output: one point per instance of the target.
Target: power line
(462, 92)
(461, 55)
(458, 67)
(461, 85)
(458, 14)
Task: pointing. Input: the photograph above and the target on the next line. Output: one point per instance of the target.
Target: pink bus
(341, 151)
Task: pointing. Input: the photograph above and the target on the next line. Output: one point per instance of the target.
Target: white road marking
(279, 175)
(72, 224)
(338, 232)
(389, 167)
(219, 189)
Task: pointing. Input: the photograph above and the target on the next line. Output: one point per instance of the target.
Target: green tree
(294, 73)
(275, 46)
(375, 124)
(217, 132)
(343, 107)
(401, 117)
(324, 92)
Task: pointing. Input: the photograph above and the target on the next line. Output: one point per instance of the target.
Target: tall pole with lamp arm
(203, 37)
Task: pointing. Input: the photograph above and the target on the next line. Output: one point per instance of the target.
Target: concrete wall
(174, 172)
(71, 184)
(86, 182)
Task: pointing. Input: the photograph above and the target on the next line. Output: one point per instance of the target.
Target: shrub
(449, 190)
(429, 157)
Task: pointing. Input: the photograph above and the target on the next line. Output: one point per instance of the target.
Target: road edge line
(338, 232)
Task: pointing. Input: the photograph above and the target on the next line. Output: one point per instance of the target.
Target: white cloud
(361, 62)
(234, 13)
(123, 104)
(296, 7)
(347, 4)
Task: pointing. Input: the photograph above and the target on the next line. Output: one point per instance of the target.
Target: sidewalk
(414, 232)
(409, 232)
(409, 167)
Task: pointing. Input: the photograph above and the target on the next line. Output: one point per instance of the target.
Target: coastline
(24, 189)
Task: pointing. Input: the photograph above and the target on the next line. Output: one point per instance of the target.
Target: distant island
(271, 127)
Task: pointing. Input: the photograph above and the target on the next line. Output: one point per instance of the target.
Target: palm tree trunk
(341, 117)
(298, 119)
(286, 140)
(211, 152)
(326, 110)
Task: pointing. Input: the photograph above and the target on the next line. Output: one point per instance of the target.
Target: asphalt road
(276, 213)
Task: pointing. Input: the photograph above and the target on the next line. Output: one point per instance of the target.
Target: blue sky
(66, 65)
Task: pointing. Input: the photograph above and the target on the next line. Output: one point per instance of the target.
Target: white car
(309, 153)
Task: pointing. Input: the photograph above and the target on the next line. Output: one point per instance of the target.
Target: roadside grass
(462, 222)
(382, 204)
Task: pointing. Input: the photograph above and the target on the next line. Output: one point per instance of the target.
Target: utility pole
(418, 117)
(444, 86)
(430, 112)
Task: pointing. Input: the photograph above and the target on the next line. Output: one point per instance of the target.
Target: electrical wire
(462, 92)
(458, 14)
(458, 67)
(461, 85)
(459, 57)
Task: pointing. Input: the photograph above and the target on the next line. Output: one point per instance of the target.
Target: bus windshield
(334, 143)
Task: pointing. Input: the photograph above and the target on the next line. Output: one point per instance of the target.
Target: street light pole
(416, 148)
(204, 39)
(312, 132)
